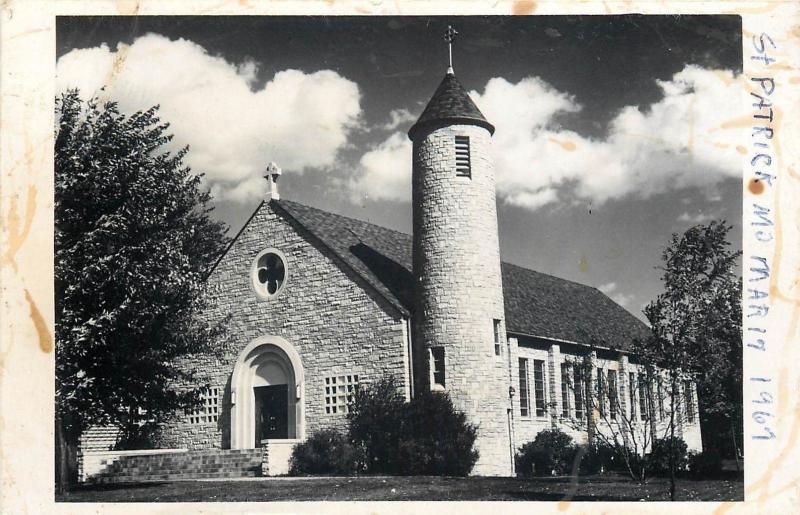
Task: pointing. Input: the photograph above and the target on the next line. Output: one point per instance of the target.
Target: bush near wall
(552, 452)
(435, 438)
(387, 435)
(658, 459)
(327, 451)
(705, 465)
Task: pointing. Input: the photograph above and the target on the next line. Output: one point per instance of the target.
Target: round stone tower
(459, 323)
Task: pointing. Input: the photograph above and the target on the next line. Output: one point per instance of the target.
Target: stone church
(320, 303)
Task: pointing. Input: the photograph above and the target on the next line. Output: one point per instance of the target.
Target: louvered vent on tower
(462, 157)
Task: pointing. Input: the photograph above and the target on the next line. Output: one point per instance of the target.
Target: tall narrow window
(463, 168)
(612, 393)
(565, 389)
(578, 388)
(644, 412)
(538, 386)
(660, 399)
(437, 366)
(632, 392)
(601, 392)
(687, 393)
(524, 397)
(498, 337)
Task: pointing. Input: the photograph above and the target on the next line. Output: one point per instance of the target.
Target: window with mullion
(565, 411)
(524, 393)
(644, 412)
(612, 394)
(538, 387)
(578, 389)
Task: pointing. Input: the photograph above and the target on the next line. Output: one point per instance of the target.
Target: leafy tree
(619, 433)
(133, 240)
(695, 322)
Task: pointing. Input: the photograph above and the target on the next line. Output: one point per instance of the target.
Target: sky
(612, 132)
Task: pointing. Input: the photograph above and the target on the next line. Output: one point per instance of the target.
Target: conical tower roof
(450, 105)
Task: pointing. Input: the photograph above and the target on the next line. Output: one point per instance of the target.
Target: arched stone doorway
(267, 393)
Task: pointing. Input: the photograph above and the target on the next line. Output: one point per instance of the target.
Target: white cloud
(607, 288)
(699, 218)
(610, 289)
(385, 171)
(678, 142)
(233, 125)
(623, 299)
(681, 141)
(398, 117)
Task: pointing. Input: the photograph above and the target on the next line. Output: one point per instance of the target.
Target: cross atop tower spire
(449, 35)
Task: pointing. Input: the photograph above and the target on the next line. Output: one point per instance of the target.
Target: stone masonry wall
(458, 286)
(336, 324)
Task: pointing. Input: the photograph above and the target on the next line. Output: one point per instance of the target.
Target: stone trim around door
(265, 351)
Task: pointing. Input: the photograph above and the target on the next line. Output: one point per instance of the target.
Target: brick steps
(182, 465)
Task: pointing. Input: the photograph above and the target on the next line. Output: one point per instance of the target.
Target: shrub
(658, 460)
(374, 423)
(425, 436)
(327, 451)
(599, 457)
(435, 439)
(703, 465)
(551, 452)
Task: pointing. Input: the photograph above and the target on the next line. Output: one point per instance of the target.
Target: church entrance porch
(267, 394)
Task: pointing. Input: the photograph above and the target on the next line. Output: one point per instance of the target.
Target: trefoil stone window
(269, 273)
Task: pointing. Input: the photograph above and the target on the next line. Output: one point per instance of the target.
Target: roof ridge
(549, 275)
(383, 228)
(338, 215)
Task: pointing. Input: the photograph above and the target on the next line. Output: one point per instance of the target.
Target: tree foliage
(133, 240)
(424, 436)
(696, 325)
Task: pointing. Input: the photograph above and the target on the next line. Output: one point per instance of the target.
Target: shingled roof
(536, 304)
(450, 104)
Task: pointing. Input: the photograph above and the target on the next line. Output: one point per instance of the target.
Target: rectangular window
(612, 393)
(339, 392)
(463, 168)
(437, 366)
(601, 392)
(660, 400)
(632, 394)
(578, 388)
(565, 389)
(687, 393)
(498, 337)
(644, 412)
(538, 386)
(524, 393)
(209, 410)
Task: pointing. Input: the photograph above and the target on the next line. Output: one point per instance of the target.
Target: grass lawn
(419, 488)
